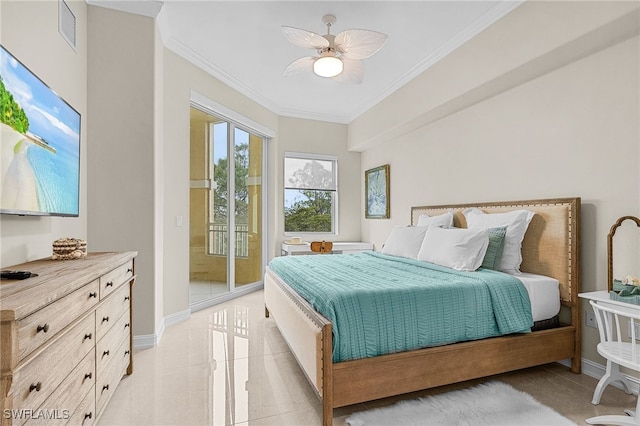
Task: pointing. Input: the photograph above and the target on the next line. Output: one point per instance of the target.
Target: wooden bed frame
(551, 247)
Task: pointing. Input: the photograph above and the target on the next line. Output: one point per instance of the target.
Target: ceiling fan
(339, 57)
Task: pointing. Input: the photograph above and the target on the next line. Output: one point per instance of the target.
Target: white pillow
(404, 241)
(445, 219)
(516, 221)
(457, 248)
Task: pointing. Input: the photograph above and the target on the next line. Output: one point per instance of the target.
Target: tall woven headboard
(551, 245)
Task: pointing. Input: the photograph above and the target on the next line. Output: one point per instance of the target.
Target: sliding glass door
(226, 214)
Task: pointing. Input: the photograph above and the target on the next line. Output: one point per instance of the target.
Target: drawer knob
(35, 387)
(129, 270)
(110, 284)
(105, 353)
(93, 294)
(43, 328)
(88, 376)
(126, 325)
(126, 352)
(87, 336)
(88, 416)
(105, 387)
(105, 319)
(127, 298)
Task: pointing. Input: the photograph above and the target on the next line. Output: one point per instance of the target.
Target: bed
(551, 248)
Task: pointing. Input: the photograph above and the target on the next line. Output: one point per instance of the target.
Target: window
(310, 193)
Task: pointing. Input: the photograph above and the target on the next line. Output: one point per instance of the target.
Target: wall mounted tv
(40, 145)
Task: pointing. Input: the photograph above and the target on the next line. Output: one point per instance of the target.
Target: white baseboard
(145, 341)
(176, 318)
(596, 370)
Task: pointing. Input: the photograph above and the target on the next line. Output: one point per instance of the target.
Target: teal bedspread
(381, 304)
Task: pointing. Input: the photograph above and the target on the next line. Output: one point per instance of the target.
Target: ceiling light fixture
(338, 57)
(328, 65)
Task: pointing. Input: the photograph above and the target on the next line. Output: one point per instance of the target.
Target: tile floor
(228, 365)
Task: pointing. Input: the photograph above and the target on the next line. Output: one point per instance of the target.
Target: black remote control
(16, 275)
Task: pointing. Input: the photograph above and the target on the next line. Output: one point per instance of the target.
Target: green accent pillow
(495, 247)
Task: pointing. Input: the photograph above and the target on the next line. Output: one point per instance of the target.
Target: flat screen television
(40, 143)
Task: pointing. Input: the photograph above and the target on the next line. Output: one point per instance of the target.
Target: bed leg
(327, 413)
(327, 376)
(576, 317)
(266, 312)
(576, 365)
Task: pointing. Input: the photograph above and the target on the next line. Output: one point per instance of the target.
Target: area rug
(491, 404)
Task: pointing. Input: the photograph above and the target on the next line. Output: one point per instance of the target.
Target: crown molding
(201, 62)
(296, 113)
(150, 8)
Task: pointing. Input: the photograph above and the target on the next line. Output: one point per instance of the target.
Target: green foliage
(310, 215)
(221, 194)
(10, 112)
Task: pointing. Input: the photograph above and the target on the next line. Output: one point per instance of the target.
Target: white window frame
(334, 209)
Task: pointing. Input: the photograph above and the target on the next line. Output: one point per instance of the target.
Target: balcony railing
(219, 240)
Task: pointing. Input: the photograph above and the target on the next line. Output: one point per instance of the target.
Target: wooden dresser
(65, 338)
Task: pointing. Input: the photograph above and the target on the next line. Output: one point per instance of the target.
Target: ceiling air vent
(67, 23)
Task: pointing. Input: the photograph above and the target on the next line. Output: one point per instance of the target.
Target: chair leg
(633, 413)
(612, 375)
(629, 420)
(613, 420)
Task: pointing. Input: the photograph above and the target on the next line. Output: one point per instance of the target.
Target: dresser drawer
(106, 385)
(114, 279)
(40, 376)
(85, 414)
(39, 327)
(112, 308)
(59, 407)
(106, 348)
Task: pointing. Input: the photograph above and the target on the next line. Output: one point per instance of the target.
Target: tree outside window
(310, 193)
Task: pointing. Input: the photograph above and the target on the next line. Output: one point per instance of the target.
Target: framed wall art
(376, 188)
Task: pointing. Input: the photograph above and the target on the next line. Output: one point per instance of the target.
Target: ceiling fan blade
(359, 44)
(304, 38)
(302, 64)
(352, 73)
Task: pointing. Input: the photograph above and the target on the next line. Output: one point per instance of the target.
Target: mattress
(544, 294)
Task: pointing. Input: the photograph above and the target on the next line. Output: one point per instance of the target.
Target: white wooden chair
(615, 324)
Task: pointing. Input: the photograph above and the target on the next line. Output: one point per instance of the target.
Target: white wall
(29, 30)
(571, 129)
(122, 157)
(318, 137)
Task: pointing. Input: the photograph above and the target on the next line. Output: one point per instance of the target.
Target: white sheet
(544, 293)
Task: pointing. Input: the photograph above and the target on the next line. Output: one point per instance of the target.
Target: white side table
(338, 248)
(603, 297)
